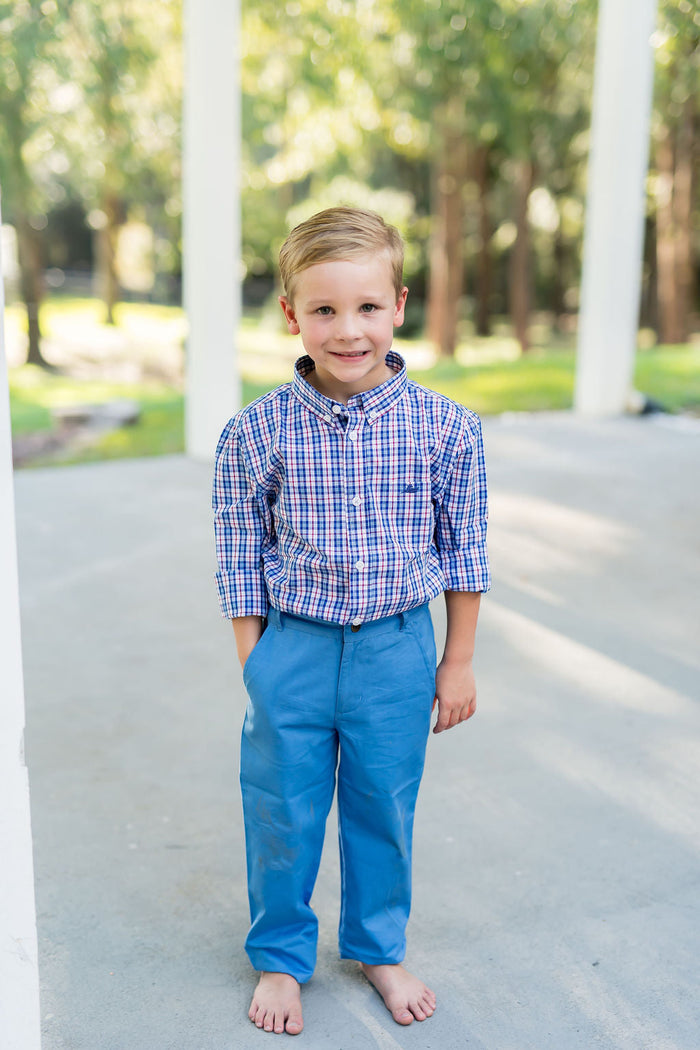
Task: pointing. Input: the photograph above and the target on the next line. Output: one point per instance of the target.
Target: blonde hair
(339, 233)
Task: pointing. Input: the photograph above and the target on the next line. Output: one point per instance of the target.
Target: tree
(494, 86)
(548, 60)
(443, 53)
(125, 66)
(308, 111)
(675, 140)
(28, 32)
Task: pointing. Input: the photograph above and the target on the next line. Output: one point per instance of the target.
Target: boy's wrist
(457, 659)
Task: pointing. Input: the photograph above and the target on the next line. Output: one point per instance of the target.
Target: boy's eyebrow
(368, 297)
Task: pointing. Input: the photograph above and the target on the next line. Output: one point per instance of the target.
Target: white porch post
(613, 242)
(19, 975)
(211, 225)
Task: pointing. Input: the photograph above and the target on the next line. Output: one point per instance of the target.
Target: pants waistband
(283, 620)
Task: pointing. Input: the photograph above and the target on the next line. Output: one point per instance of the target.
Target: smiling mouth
(349, 353)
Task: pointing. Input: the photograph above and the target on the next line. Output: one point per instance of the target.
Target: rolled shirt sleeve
(240, 527)
(462, 514)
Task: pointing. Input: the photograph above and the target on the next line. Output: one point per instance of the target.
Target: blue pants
(323, 697)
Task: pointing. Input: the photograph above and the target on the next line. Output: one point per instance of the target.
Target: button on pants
(324, 698)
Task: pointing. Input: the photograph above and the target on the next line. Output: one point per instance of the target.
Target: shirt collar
(373, 403)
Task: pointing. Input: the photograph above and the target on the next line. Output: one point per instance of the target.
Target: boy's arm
(248, 631)
(240, 525)
(455, 689)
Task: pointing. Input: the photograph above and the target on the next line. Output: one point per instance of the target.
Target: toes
(294, 1025)
(402, 1015)
(427, 1004)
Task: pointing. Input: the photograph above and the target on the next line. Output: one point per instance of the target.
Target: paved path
(557, 876)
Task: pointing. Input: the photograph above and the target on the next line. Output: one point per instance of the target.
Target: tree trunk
(520, 257)
(32, 286)
(106, 257)
(683, 217)
(446, 278)
(665, 239)
(484, 262)
(674, 204)
(648, 307)
(29, 242)
(558, 288)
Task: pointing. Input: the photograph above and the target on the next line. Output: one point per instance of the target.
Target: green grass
(541, 380)
(544, 380)
(671, 376)
(159, 431)
(34, 392)
(488, 375)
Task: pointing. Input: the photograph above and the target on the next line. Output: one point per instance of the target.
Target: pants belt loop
(402, 621)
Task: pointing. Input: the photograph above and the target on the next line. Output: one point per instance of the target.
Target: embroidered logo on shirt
(410, 488)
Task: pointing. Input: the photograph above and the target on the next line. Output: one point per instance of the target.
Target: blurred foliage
(342, 101)
(338, 88)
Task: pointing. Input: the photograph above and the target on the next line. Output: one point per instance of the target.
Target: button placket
(354, 477)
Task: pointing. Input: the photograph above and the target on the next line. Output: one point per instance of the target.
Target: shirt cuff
(466, 570)
(242, 593)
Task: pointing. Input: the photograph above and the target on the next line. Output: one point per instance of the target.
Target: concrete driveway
(557, 873)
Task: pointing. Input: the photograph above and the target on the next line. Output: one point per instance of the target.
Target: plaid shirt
(349, 513)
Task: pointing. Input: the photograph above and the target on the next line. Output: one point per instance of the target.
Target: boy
(344, 502)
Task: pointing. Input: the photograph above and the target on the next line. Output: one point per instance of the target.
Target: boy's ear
(400, 307)
(289, 315)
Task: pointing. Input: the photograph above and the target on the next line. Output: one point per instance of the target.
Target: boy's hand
(248, 631)
(455, 694)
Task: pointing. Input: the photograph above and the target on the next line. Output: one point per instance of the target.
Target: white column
(19, 975)
(211, 224)
(613, 242)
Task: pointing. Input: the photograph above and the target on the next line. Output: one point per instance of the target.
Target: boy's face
(346, 312)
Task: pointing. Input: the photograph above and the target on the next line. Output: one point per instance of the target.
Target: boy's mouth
(349, 353)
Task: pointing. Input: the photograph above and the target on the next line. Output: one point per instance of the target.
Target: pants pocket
(422, 633)
(248, 666)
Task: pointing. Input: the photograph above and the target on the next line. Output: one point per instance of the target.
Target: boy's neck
(340, 392)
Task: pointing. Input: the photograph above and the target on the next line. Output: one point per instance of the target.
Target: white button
(327, 419)
(356, 501)
(359, 565)
(336, 410)
(357, 623)
(372, 415)
(353, 435)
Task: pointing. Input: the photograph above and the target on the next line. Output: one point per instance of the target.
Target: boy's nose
(347, 327)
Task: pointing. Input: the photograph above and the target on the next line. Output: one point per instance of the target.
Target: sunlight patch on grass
(539, 381)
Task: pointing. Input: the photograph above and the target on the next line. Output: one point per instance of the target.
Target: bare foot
(404, 995)
(276, 1004)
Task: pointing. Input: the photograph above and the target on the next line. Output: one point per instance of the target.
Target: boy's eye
(324, 311)
(368, 308)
